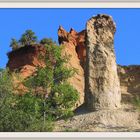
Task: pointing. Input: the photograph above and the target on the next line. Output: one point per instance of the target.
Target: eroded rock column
(102, 87)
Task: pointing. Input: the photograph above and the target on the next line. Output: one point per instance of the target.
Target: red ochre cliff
(26, 59)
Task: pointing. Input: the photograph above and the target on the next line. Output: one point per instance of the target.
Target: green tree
(51, 82)
(6, 86)
(28, 38)
(14, 44)
(6, 92)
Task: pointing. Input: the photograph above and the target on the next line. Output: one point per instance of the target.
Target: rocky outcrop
(129, 79)
(74, 47)
(102, 89)
(77, 39)
(26, 59)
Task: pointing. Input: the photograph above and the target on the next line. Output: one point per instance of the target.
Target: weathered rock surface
(77, 39)
(102, 89)
(130, 82)
(26, 59)
(129, 78)
(74, 47)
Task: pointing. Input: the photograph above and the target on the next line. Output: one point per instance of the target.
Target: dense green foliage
(6, 86)
(49, 95)
(23, 113)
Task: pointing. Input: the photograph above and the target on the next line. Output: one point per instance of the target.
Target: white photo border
(70, 4)
(104, 4)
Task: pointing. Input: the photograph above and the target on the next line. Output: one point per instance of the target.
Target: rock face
(76, 39)
(102, 86)
(26, 59)
(129, 79)
(75, 48)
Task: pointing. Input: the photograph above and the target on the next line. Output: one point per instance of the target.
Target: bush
(23, 113)
(20, 113)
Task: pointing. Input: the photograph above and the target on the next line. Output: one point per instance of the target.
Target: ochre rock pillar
(102, 86)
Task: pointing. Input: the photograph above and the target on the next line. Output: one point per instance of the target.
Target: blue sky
(45, 23)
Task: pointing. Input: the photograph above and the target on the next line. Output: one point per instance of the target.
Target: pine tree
(14, 44)
(28, 38)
